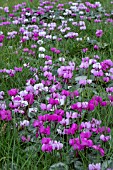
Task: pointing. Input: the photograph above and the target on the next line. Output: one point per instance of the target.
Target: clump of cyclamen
(49, 145)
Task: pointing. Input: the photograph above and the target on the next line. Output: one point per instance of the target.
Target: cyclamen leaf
(78, 165)
(59, 166)
(107, 164)
(80, 78)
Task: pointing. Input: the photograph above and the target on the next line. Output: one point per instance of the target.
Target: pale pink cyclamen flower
(6, 9)
(95, 166)
(104, 138)
(25, 139)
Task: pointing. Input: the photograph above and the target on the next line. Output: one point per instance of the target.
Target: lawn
(56, 85)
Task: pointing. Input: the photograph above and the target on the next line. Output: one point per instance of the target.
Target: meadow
(56, 85)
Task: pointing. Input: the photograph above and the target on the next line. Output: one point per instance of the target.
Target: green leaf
(80, 78)
(78, 165)
(107, 164)
(59, 166)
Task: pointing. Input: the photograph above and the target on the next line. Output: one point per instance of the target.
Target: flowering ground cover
(56, 85)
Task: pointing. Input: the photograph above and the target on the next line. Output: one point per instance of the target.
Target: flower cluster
(67, 93)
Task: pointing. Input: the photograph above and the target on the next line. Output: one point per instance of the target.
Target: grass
(18, 155)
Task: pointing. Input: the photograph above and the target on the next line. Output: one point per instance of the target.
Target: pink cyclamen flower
(46, 148)
(96, 47)
(104, 138)
(25, 139)
(84, 50)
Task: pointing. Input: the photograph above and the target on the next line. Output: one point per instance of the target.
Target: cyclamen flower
(1, 95)
(55, 50)
(30, 81)
(84, 64)
(96, 47)
(44, 130)
(50, 145)
(65, 71)
(25, 139)
(87, 134)
(2, 105)
(16, 102)
(53, 101)
(6, 9)
(71, 35)
(30, 98)
(104, 138)
(80, 144)
(82, 82)
(99, 33)
(95, 166)
(46, 140)
(84, 50)
(1, 38)
(24, 123)
(46, 148)
(13, 92)
(46, 107)
(18, 69)
(41, 49)
(109, 89)
(106, 79)
(5, 115)
(98, 148)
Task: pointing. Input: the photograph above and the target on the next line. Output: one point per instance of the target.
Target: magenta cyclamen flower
(55, 50)
(99, 33)
(96, 47)
(29, 98)
(46, 148)
(5, 115)
(46, 140)
(44, 130)
(80, 144)
(1, 38)
(13, 92)
(53, 101)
